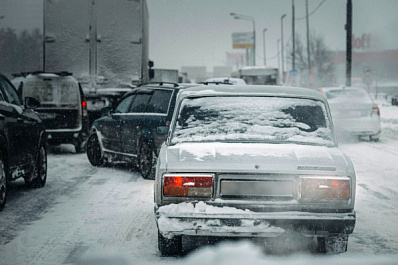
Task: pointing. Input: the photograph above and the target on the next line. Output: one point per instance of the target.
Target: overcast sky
(198, 32)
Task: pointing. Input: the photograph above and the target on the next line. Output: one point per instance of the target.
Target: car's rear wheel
(80, 146)
(332, 244)
(3, 185)
(169, 247)
(147, 161)
(94, 153)
(39, 175)
(374, 138)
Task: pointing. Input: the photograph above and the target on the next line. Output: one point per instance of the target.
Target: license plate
(47, 116)
(270, 188)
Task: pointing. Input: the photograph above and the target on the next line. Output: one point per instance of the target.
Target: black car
(22, 141)
(135, 128)
(63, 107)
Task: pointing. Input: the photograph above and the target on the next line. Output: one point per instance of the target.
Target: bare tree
(322, 68)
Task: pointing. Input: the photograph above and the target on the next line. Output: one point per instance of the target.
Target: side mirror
(106, 111)
(162, 130)
(31, 103)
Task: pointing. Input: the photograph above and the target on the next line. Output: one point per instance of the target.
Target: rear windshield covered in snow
(53, 93)
(253, 119)
(347, 94)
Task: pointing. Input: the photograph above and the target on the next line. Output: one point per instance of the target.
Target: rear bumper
(55, 137)
(253, 224)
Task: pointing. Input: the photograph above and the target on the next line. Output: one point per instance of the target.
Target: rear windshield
(253, 119)
(54, 94)
(346, 94)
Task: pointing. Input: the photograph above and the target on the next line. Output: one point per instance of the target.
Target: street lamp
(283, 58)
(279, 58)
(265, 60)
(244, 17)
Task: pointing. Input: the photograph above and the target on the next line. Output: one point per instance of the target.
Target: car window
(140, 103)
(253, 119)
(10, 92)
(124, 105)
(159, 102)
(55, 93)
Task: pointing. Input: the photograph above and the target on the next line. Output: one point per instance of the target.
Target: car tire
(374, 138)
(146, 161)
(39, 175)
(80, 147)
(3, 184)
(332, 244)
(94, 153)
(169, 247)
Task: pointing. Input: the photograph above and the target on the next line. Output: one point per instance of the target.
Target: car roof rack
(159, 83)
(215, 83)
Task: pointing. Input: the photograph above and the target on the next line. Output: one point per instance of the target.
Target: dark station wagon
(135, 128)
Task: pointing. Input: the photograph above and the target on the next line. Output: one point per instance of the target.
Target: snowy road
(87, 211)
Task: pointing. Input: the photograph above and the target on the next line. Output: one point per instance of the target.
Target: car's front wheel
(94, 153)
(147, 161)
(39, 175)
(3, 185)
(169, 247)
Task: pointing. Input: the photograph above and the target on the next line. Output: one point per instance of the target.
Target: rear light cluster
(314, 189)
(84, 109)
(375, 110)
(188, 185)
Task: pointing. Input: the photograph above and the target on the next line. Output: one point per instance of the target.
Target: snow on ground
(88, 215)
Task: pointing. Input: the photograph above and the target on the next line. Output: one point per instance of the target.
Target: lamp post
(283, 58)
(279, 58)
(265, 60)
(244, 17)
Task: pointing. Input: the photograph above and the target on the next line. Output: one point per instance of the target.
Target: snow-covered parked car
(353, 112)
(258, 161)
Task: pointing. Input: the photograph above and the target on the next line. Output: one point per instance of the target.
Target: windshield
(253, 119)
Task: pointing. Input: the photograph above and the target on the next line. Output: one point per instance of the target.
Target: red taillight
(84, 108)
(188, 185)
(325, 189)
(375, 110)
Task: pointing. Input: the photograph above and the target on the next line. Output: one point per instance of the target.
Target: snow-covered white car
(353, 112)
(258, 161)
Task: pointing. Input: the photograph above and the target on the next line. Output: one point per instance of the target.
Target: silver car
(253, 161)
(354, 112)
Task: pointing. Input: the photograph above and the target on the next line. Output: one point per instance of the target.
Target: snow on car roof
(213, 90)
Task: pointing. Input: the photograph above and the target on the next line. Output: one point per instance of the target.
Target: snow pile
(187, 209)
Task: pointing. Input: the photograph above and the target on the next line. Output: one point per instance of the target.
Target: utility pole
(294, 50)
(308, 44)
(283, 58)
(44, 35)
(93, 46)
(308, 37)
(279, 58)
(265, 60)
(348, 28)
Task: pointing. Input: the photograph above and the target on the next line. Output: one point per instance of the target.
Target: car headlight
(188, 185)
(325, 188)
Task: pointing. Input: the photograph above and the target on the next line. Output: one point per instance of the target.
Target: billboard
(242, 40)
